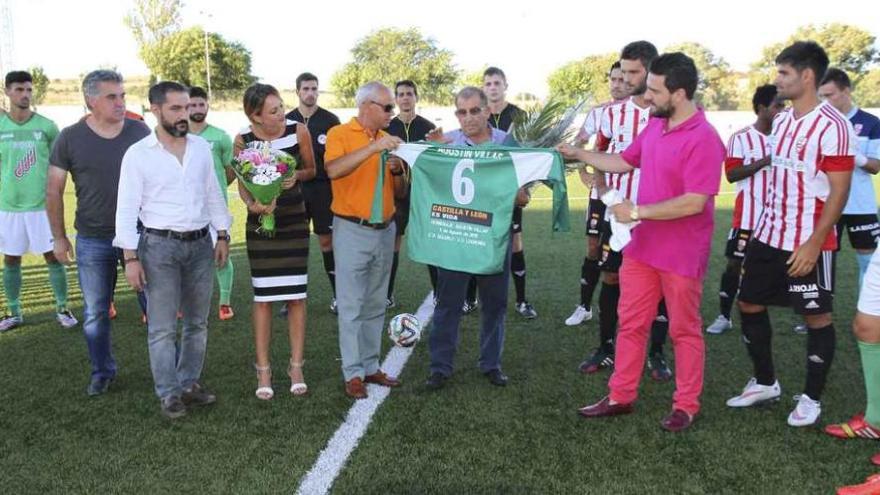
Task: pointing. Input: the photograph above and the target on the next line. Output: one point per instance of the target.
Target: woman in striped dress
(278, 263)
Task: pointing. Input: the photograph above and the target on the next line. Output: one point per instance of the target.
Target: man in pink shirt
(679, 156)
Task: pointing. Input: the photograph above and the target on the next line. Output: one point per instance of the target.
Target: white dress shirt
(165, 194)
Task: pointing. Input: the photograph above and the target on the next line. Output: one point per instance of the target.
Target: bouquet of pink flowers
(261, 170)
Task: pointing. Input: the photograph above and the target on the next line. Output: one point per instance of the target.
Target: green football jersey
(221, 150)
(24, 162)
(462, 201)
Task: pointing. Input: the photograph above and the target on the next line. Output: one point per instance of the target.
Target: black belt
(366, 223)
(192, 235)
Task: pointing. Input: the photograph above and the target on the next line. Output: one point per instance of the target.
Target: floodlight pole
(207, 53)
(207, 65)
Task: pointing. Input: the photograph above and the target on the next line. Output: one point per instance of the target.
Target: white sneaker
(800, 329)
(719, 326)
(66, 319)
(753, 393)
(8, 322)
(806, 412)
(580, 315)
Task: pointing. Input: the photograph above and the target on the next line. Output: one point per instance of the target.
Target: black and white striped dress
(279, 263)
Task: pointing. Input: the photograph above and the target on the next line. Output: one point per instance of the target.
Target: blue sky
(527, 39)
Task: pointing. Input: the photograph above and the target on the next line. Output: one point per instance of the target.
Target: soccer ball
(405, 330)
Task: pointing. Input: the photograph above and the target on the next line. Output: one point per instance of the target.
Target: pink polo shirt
(687, 159)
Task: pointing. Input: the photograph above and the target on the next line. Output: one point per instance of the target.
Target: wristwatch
(634, 213)
(224, 237)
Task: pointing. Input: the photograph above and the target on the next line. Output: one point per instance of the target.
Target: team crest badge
(322, 139)
(800, 143)
(858, 129)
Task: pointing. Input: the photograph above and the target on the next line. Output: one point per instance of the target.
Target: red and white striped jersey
(591, 128)
(803, 150)
(745, 147)
(621, 123)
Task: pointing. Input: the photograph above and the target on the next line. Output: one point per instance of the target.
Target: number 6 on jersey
(463, 187)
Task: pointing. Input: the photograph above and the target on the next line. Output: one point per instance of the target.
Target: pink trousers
(641, 288)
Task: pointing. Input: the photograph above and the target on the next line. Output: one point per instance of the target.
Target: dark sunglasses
(461, 112)
(386, 108)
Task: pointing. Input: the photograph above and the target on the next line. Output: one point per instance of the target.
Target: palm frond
(545, 126)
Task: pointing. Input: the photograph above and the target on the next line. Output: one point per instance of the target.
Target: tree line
(391, 54)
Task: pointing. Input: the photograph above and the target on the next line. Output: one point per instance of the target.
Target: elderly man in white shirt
(168, 182)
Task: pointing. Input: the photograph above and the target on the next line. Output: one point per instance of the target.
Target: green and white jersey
(462, 201)
(221, 150)
(24, 162)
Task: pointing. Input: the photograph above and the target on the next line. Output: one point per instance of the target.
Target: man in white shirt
(168, 182)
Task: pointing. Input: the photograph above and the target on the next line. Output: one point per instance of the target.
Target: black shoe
(390, 302)
(173, 407)
(436, 381)
(526, 310)
(496, 377)
(198, 395)
(469, 307)
(282, 313)
(599, 360)
(98, 386)
(660, 371)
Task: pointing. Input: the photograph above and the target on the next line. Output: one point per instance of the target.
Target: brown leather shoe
(380, 378)
(354, 388)
(605, 408)
(677, 421)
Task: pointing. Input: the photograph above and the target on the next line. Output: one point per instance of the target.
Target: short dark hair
(198, 92)
(838, 77)
(615, 65)
(159, 91)
(305, 76)
(494, 71)
(643, 51)
(18, 76)
(679, 70)
(408, 83)
(805, 55)
(764, 96)
(255, 96)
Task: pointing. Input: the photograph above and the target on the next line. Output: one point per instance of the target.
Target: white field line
(332, 459)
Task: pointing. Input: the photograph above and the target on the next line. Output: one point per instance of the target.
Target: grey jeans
(180, 276)
(363, 266)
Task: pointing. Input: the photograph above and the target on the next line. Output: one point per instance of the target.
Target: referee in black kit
(317, 192)
(410, 128)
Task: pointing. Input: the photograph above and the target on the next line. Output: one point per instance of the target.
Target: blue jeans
(96, 261)
(180, 275)
(443, 338)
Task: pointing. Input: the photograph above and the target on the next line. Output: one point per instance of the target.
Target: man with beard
(668, 255)
(317, 192)
(221, 152)
(91, 151)
(619, 127)
(595, 208)
(790, 258)
(169, 183)
(409, 127)
(26, 139)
